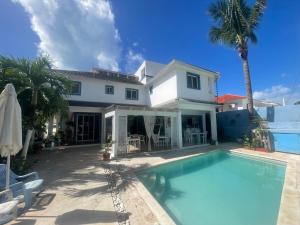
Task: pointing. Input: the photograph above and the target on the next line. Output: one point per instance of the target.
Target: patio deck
(77, 192)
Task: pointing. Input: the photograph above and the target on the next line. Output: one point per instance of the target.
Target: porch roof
(139, 110)
(184, 103)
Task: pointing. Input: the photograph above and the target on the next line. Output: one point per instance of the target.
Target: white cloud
(277, 93)
(133, 60)
(77, 34)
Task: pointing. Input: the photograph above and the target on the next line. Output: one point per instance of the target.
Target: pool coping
(289, 211)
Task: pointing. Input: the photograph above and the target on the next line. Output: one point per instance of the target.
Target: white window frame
(195, 81)
(131, 96)
(79, 92)
(111, 88)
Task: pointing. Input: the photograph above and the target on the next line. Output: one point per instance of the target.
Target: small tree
(236, 22)
(40, 90)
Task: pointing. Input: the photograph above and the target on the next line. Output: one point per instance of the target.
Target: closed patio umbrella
(10, 126)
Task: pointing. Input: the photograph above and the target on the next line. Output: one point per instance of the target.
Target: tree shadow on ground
(24, 222)
(42, 201)
(82, 216)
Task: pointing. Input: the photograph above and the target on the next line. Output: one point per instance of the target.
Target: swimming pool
(218, 188)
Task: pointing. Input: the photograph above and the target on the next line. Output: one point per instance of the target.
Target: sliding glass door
(87, 128)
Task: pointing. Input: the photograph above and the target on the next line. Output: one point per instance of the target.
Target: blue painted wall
(283, 121)
(287, 142)
(233, 124)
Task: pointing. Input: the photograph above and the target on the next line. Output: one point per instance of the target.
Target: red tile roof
(228, 97)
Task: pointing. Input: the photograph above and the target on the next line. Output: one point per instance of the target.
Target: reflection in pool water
(218, 188)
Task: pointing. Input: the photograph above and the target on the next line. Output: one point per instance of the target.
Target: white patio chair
(142, 141)
(158, 142)
(8, 207)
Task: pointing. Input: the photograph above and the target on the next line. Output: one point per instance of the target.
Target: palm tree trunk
(34, 97)
(30, 132)
(248, 84)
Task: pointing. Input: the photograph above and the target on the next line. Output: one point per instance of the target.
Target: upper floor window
(132, 94)
(193, 81)
(143, 73)
(151, 89)
(76, 88)
(109, 89)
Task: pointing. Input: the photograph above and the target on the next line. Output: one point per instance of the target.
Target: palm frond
(218, 10)
(253, 37)
(257, 12)
(219, 35)
(235, 21)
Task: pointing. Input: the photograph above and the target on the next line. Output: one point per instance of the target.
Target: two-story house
(159, 107)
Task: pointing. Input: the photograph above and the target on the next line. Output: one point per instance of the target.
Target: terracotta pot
(106, 156)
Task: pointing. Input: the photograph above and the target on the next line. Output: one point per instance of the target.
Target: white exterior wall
(164, 89)
(93, 90)
(205, 93)
(151, 69)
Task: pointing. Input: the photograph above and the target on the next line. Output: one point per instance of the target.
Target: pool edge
(288, 213)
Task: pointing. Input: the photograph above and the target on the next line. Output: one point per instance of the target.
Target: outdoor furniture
(164, 141)
(200, 137)
(134, 141)
(23, 188)
(142, 140)
(160, 141)
(8, 207)
(188, 136)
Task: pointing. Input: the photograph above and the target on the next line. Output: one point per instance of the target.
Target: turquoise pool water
(218, 188)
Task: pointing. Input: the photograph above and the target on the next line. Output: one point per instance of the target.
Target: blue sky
(119, 34)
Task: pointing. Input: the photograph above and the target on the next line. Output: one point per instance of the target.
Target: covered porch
(133, 129)
(140, 129)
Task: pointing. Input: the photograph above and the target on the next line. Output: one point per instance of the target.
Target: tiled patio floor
(76, 189)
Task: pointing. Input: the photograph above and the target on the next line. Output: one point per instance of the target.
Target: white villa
(161, 106)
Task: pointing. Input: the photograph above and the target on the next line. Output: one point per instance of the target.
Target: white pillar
(203, 122)
(213, 125)
(179, 129)
(50, 127)
(174, 128)
(115, 128)
(103, 127)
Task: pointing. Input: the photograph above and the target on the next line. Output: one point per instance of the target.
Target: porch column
(103, 128)
(50, 127)
(179, 133)
(203, 122)
(115, 128)
(174, 128)
(213, 125)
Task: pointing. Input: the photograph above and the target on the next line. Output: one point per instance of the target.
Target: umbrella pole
(7, 172)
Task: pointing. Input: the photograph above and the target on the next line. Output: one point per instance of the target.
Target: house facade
(161, 106)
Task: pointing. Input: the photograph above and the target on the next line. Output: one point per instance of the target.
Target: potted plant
(106, 153)
(247, 141)
(259, 140)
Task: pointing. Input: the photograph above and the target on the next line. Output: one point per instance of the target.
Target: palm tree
(236, 22)
(40, 90)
